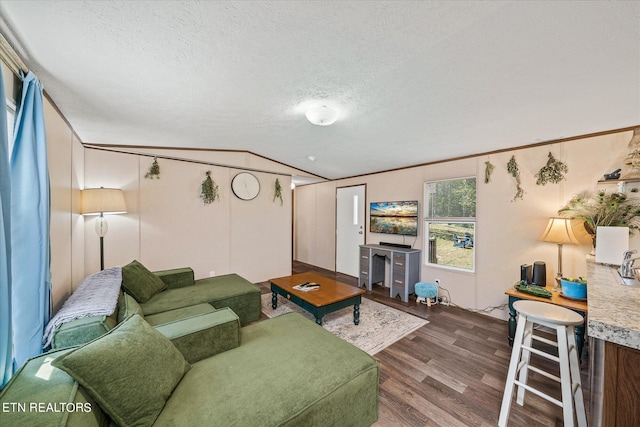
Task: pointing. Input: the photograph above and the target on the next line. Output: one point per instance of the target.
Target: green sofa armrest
(81, 331)
(40, 394)
(176, 277)
(202, 335)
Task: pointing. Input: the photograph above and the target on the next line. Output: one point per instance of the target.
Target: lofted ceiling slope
(413, 81)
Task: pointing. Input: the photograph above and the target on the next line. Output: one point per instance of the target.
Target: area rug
(380, 325)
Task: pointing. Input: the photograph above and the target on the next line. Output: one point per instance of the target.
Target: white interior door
(350, 228)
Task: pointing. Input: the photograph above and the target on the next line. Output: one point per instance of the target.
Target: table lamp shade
(559, 230)
(102, 200)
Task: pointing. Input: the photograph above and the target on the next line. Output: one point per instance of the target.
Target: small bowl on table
(574, 288)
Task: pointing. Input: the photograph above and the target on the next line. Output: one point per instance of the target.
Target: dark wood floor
(451, 372)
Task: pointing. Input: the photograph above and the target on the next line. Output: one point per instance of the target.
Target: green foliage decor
(488, 170)
(278, 193)
(538, 291)
(209, 190)
(514, 171)
(154, 170)
(553, 172)
(604, 209)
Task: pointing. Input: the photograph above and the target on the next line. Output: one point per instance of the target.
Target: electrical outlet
(212, 273)
(437, 282)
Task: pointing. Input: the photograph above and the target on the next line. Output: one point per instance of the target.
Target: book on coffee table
(307, 286)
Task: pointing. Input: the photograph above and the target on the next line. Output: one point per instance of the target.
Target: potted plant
(603, 209)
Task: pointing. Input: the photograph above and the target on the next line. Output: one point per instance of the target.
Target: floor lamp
(560, 231)
(100, 201)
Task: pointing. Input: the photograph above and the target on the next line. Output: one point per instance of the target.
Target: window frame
(428, 220)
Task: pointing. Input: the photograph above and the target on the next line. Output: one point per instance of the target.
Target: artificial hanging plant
(488, 170)
(553, 172)
(514, 171)
(154, 170)
(278, 193)
(209, 190)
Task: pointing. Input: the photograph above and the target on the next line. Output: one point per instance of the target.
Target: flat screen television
(394, 217)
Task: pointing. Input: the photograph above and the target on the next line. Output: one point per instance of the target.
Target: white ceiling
(415, 82)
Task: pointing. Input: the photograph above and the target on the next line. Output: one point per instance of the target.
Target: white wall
(506, 230)
(168, 225)
(65, 160)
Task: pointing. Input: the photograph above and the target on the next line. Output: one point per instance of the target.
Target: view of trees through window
(450, 223)
(455, 198)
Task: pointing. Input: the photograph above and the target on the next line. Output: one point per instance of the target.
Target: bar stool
(563, 321)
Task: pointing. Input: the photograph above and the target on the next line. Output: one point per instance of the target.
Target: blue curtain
(30, 210)
(6, 358)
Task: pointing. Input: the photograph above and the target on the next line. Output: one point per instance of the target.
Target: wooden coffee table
(331, 296)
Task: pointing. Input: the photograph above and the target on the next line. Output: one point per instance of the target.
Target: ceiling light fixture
(321, 115)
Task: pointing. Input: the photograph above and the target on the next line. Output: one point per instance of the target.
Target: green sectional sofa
(168, 296)
(288, 371)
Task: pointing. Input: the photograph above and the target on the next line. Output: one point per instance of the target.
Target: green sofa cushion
(203, 335)
(230, 290)
(127, 307)
(288, 371)
(140, 283)
(131, 371)
(176, 277)
(179, 314)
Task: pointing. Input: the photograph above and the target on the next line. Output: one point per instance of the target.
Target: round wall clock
(245, 186)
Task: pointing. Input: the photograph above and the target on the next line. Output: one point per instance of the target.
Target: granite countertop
(614, 309)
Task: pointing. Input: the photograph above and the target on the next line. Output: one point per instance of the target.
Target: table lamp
(100, 201)
(560, 231)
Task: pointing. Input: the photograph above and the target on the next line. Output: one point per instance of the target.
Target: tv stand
(405, 268)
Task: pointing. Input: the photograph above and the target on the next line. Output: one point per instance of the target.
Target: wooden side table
(578, 306)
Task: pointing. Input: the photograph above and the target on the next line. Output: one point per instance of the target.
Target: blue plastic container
(573, 289)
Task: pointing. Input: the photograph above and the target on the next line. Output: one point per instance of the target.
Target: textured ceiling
(414, 82)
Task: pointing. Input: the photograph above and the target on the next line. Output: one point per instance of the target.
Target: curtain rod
(181, 159)
(10, 57)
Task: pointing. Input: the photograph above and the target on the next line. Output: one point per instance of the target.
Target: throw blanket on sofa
(97, 295)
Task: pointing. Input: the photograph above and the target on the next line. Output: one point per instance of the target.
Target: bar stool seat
(563, 321)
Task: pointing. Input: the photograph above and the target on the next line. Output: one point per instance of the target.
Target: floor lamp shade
(100, 201)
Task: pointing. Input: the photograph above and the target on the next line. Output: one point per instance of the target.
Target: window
(450, 223)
